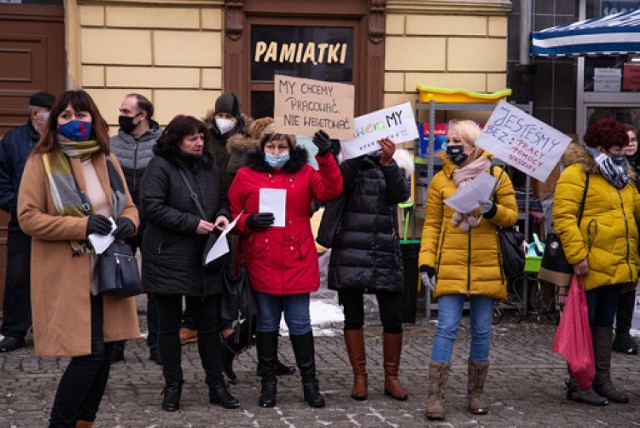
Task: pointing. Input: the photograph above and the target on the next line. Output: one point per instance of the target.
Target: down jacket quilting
(607, 236)
(465, 262)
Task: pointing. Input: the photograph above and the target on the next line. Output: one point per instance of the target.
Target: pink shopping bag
(573, 337)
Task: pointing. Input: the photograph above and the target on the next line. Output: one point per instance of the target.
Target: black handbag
(118, 272)
(213, 236)
(512, 252)
(510, 245)
(238, 306)
(554, 267)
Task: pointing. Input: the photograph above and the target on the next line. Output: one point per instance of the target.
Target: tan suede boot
(84, 424)
(438, 374)
(475, 389)
(354, 339)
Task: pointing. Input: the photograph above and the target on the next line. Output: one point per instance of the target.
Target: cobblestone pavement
(525, 387)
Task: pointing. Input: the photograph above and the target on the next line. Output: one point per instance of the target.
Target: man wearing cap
(15, 147)
(133, 146)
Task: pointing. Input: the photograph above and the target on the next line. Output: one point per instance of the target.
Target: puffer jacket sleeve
(326, 184)
(396, 184)
(155, 191)
(505, 199)
(431, 230)
(566, 207)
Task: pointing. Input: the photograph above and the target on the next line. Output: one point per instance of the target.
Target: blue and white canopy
(617, 34)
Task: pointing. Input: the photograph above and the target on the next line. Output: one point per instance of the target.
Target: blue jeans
(296, 312)
(449, 314)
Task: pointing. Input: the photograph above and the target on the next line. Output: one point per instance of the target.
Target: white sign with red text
(523, 141)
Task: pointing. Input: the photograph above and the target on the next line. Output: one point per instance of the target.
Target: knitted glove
(428, 276)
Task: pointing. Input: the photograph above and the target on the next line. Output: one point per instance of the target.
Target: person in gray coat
(133, 146)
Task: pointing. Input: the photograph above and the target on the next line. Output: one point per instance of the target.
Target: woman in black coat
(172, 250)
(366, 258)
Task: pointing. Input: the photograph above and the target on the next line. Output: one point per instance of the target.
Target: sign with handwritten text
(523, 141)
(303, 106)
(396, 123)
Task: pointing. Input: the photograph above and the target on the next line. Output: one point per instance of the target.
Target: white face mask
(225, 125)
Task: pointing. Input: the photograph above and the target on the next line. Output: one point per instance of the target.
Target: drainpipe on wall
(524, 73)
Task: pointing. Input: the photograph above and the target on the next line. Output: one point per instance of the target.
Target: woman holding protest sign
(460, 257)
(600, 241)
(278, 249)
(366, 258)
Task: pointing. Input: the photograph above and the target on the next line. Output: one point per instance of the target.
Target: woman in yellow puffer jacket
(602, 245)
(459, 258)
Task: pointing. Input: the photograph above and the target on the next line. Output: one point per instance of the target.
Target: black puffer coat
(365, 253)
(171, 249)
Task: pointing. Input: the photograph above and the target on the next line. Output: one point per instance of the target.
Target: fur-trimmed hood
(298, 159)
(239, 144)
(577, 153)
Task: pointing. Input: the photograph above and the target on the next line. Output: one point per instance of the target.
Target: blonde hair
(469, 131)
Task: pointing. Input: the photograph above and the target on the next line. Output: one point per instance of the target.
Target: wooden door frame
(369, 94)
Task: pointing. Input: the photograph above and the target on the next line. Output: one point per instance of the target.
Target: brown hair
(80, 101)
(179, 127)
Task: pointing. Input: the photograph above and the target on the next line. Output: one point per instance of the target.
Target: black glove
(124, 228)
(260, 221)
(98, 224)
(322, 141)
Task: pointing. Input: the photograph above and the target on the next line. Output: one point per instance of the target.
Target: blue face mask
(276, 161)
(76, 130)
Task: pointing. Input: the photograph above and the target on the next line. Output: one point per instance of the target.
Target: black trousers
(389, 305)
(16, 311)
(85, 379)
(205, 314)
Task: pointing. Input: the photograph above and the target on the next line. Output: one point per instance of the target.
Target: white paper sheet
(221, 247)
(274, 201)
(466, 199)
(102, 242)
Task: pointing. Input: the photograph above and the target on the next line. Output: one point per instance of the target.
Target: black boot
(602, 382)
(267, 347)
(219, 394)
(624, 314)
(172, 393)
(228, 355)
(305, 358)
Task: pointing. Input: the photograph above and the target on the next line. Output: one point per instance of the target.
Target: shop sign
(607, 79)
(612, 7)
(303, 106)
(631, 77)
(321, 53)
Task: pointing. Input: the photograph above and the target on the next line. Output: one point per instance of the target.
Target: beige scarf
(462, 177)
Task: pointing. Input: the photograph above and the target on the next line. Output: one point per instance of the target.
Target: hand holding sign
(388, 149)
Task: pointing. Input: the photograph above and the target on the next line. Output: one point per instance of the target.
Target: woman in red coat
(282, 261)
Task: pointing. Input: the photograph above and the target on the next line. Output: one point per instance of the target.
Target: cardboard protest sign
(303, 106)
(396, 122)
(523, 141)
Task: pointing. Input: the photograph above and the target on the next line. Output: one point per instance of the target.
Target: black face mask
(126, 123)
(456, 154)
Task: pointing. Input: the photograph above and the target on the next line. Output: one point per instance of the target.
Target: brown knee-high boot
(84, 424)
(392, 348)
(354, 339)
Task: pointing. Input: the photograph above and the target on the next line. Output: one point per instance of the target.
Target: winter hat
(270, 133)
(42, 99)
(228, 103)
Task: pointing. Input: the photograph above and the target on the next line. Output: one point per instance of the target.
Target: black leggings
(389, 305)
(83, 383)
(205, 314)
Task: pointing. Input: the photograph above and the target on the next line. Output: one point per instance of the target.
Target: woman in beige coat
(69, 318)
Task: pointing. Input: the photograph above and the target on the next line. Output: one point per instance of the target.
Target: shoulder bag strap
(584, 197)
(194, 195)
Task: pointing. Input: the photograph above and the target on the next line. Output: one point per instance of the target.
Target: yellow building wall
(172, 50)
(171, 53)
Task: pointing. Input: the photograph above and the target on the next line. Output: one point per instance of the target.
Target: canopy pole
(525, 32)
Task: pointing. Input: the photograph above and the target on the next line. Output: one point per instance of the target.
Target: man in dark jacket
(134, 148)
(15, 147)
